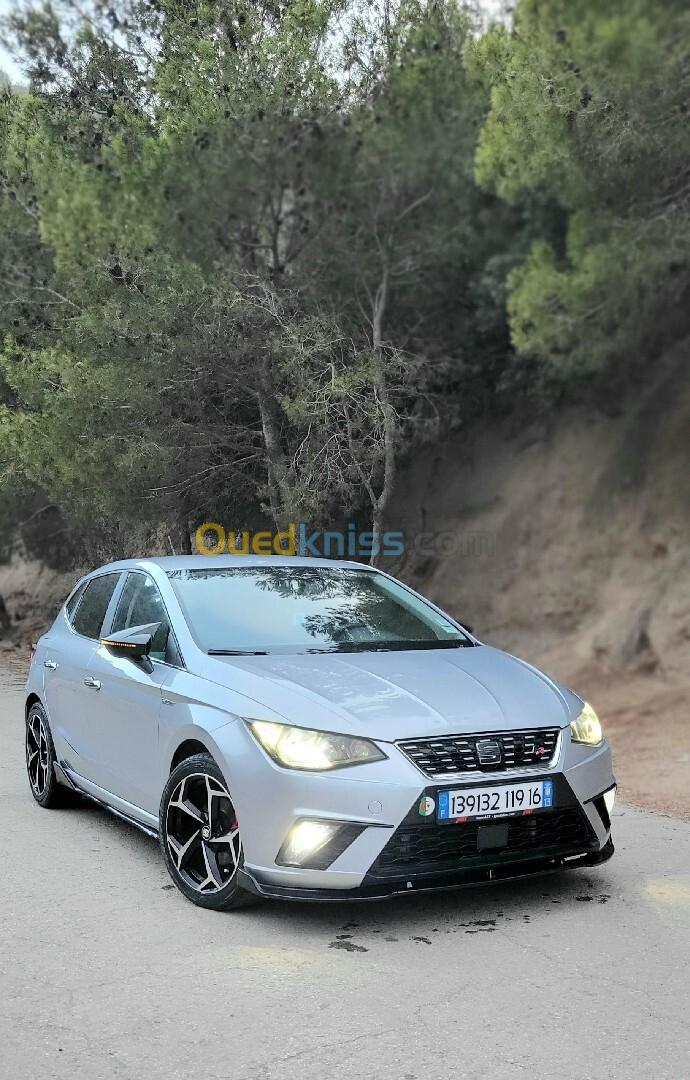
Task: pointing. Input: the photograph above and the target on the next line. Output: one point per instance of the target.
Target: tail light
(32, 653)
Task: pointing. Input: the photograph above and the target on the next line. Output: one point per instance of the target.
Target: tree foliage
(255, 250)
(589, 111)
(244, 252)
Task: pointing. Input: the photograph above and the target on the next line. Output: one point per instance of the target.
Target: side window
(94, 604)
(141, 603)
(71, 605)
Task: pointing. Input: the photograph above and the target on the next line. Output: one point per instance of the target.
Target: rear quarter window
(90, 613)
(72, 603)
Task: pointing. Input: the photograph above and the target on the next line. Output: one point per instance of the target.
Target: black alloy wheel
(200, 835)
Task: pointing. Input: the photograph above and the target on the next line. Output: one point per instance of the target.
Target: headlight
(587, 729)
(300, 748)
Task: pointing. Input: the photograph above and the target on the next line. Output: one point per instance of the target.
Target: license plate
(489, 802)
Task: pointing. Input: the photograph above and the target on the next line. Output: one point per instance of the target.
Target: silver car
(310, 730)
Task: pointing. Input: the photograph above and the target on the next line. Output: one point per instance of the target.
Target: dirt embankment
(565, 543)
(32, 594)
(569, 544)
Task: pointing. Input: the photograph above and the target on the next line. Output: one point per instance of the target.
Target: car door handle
(93, 684)
(52, 665)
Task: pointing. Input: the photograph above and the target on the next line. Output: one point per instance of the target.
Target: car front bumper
(375, 888)
(397, 849)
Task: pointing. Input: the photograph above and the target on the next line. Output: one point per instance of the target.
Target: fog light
(609, 799)
(314, 845)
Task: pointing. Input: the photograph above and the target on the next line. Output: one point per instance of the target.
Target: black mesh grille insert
(487, 752)
(445, 847)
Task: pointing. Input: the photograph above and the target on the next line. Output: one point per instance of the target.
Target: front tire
(200, 836)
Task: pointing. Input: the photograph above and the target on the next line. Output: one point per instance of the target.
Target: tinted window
(74, 600)
(302, 609)
(139, 604)
(91, 611)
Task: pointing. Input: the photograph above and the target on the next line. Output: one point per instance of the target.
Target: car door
(129, 698)
(67, 652)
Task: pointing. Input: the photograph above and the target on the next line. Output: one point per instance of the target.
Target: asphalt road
(106, 971)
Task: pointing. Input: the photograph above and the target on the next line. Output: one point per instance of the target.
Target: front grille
(420, 848)
(449, 755)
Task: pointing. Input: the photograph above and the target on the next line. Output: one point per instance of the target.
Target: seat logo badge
(489, 752)
(426, 806)
(206, 832)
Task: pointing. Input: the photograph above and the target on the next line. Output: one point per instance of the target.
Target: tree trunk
(381, 503)
(380, 304)
(276, 465)
(389, 467)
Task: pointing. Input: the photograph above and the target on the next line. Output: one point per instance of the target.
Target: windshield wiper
(394, 646)
(237, 652)
(350, 646)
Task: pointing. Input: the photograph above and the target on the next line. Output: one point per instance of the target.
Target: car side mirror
(134, 643)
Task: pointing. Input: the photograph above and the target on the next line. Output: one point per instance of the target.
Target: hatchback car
(309, 729)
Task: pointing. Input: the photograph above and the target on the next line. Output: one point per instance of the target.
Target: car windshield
(285, 609)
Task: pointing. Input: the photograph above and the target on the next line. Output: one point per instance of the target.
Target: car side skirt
(118, 807)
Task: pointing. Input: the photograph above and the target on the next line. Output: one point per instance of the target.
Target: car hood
(397, 695)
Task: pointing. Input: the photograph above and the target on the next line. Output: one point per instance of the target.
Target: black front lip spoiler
(378, 889)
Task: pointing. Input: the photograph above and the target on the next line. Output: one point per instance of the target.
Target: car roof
(197, 562)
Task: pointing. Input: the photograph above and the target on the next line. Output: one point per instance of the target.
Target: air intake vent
(421, 848)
